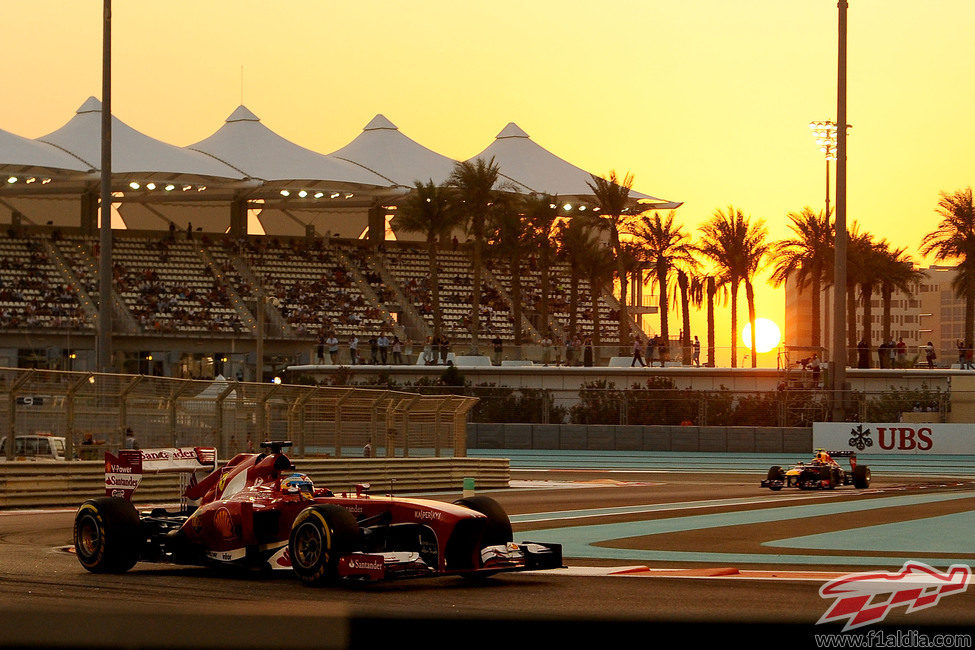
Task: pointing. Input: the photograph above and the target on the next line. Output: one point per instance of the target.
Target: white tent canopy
(19, 155)
(527, 163)
(134, 155)
(256, 151)
(384, 150)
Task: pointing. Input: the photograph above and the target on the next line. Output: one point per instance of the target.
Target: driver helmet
(298, 484)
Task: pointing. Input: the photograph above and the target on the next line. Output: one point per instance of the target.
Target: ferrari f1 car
(258, 511)
(821, 473)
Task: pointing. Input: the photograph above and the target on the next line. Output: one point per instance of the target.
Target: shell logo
(223, 523)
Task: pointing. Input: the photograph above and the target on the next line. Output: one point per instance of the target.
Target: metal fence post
(11, 432)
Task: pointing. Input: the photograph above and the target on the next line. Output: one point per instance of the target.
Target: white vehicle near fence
(34, 447)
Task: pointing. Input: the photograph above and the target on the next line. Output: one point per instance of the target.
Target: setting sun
(767, 335)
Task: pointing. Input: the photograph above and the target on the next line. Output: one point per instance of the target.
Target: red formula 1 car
(822, 472)
(259, 511)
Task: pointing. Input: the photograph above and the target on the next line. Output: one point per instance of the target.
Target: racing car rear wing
(123, 473)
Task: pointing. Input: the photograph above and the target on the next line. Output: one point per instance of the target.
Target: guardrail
(27, 484)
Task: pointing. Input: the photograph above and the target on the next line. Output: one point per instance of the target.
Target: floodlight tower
(103, 342)
(839, 356)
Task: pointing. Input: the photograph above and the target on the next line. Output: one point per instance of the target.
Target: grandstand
(190, 301)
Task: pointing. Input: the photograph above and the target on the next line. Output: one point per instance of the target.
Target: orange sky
(704, 101)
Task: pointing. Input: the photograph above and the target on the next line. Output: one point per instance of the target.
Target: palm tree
(575, 238)
(858, 253)
(705, 289)
(612, 202)
(429, 209)
(474, 190)
(664, 246)
(736, 247)
(954, 239)
(898, 274)
(542, 212)
(597, 265)
(807, 257)
(507, 232)
(871, 267)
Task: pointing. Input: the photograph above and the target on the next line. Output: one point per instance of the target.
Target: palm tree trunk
(594, 291)
(624, 317)
(476, 297)
(866, 295)
(514, 262)
(886, 296)
(685, 303)
(734, 324)
(750, 298)
(817, 316)
(434, 285)
(712, 289)
(574, 299)
(851, 323)
(546, 282)
(663, 306)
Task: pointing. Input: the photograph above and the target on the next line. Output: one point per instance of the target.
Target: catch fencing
(92, 411)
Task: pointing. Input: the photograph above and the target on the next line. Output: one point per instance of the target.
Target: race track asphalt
(695, 555)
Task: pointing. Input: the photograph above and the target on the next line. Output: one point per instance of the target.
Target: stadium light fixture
(134, 185)
(302, 193)
(12, 180)
(170, 187)
(285, 193)
(150, 186)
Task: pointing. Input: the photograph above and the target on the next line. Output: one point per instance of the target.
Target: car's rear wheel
(107, 535)
(861, 477)
(320, 534)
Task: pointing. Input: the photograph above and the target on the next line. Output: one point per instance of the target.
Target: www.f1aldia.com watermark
(866, 598)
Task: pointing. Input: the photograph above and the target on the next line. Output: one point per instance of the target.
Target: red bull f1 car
(258, 511)
(821, 473)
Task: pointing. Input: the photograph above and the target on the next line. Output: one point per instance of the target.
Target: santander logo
(866, 598)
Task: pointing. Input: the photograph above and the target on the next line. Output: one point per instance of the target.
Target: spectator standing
(382, 343)
(397, 347)
(333, 348)
(354, 349)
(637, 353)
(901, 353)
(428, 356)
(863, 354)
(697, 352)
(130, 441)
(373, 350)
(816, 369)
(498, 349)
(930, 354)
(444, 349)
(961, 353)
(320, 349)
(587, 353)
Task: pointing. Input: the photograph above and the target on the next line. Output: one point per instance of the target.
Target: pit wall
(595, 437)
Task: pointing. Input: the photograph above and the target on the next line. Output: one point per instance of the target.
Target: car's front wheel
(320, 534)
(107, 535)
(861, 477)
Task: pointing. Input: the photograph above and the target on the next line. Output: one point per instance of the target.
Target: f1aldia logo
(866, 598)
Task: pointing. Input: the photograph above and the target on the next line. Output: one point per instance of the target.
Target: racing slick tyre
(861, 477)
(498, 529)
(107, 535)
(320, 534)
(775, 473)
(463, 551)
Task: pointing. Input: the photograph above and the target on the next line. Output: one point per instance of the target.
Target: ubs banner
(895, 437)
